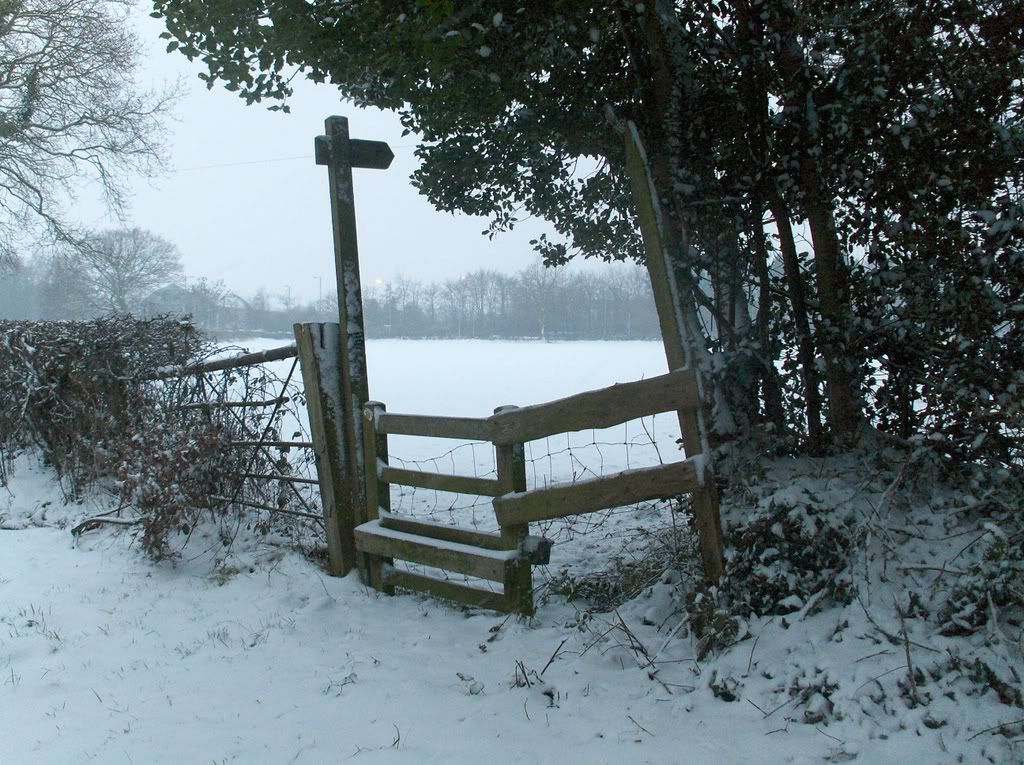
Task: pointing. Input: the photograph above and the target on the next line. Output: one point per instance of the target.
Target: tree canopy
(841, 181)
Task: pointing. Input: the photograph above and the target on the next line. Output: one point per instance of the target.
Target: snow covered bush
(788, 553)
(74, 389)
(167, 473)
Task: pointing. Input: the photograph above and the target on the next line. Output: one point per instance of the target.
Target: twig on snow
(997, 727)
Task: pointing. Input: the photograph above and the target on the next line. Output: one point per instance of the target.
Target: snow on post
(340, 154)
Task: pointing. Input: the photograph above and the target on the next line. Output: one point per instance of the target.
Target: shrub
(74, 389)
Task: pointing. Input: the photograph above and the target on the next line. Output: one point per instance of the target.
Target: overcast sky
(247, 204)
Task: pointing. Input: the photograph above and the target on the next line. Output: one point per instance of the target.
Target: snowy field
(260, 658)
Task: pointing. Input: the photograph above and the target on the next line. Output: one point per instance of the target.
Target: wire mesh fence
(586, 544)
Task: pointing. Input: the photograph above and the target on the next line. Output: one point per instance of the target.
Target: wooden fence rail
(603, 408)
(231, 362)
(596, 409)
(464, 428)
(625, 488)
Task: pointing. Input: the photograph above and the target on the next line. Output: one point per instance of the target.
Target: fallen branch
(94, 523)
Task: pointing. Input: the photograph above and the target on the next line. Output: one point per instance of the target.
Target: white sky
(247, 204)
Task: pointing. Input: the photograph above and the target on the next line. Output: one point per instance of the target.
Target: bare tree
(70, 110)
(121, 268)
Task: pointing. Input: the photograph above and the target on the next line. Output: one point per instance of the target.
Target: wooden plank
(465, 428)
(319, 356)
(675, 308)
(373, 155)
(231, 362)
(457, 484)
(664, 283)
(535, 549)
(601, 408)
(374, 539)
(466, 594)
(484, 539)
(615, 490)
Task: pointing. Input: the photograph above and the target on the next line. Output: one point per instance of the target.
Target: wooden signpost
(334, 360)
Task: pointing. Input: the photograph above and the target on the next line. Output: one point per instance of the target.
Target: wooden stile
(588, 496)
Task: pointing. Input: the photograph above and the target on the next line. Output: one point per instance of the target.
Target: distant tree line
(107, 272)
(552, 303)
(134, 271)
(536, 302)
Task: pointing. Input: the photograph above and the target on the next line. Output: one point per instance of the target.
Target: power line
(262, 161)
(239, 164)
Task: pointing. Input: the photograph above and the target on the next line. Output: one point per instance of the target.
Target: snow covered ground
(258, 657)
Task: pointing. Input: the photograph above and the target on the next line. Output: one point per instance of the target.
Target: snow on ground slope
(107, 657)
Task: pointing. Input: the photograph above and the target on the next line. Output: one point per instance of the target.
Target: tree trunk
(771, 389)
(750, 39)
(831, 277)
(802, 326)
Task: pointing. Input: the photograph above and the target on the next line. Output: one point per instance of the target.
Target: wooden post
(675, 307)
(319, 349)
(378, 493)
(510, 461)
(340, 154)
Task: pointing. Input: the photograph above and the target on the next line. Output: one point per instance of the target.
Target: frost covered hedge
(75, 389)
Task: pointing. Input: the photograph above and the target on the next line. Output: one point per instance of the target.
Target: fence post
(510, 462)
(378, 493)
(674, 308)
(319, 349)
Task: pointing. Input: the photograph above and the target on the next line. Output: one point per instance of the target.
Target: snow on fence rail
(229, 362)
